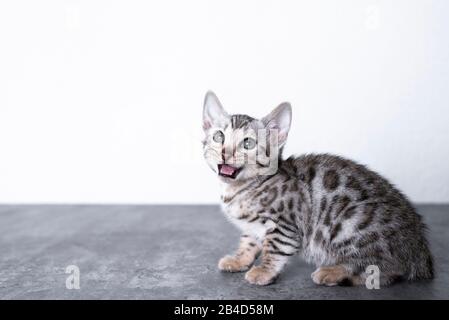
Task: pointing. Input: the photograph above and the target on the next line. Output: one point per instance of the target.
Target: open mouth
(228, 171)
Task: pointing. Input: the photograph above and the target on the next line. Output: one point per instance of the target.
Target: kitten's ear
(213, 112)
(280, 118)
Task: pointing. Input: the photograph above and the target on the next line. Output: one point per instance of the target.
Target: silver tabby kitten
(336, 213)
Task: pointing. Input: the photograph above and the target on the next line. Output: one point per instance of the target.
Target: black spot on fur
(311, 175)
(323, 204)
(363, 195)
(272, 195)
(327, 218)
(290, 204)
(281, 206)
(331, 180)
(318, 236)
(284, 189)
(335, 231)
(353, 183)
(368, 216)
(292, 216)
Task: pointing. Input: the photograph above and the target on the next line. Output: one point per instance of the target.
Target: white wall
(100, 101)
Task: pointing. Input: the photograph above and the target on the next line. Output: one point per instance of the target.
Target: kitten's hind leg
(335, 275)
(247, 252)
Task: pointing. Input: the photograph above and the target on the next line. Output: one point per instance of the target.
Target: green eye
(249, 143)
(218, 137)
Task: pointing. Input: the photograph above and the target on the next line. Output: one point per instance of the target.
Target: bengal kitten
(337, 214)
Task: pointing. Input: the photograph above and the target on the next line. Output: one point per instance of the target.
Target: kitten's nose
(226, 154)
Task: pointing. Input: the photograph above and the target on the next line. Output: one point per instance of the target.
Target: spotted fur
(335, 213)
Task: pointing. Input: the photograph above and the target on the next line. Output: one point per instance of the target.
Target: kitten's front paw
(231, 264)
(260, 276)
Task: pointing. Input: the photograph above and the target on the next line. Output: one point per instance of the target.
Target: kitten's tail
(422, 267)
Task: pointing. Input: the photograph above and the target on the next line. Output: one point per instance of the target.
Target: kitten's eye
(249, 143)
(219, 137)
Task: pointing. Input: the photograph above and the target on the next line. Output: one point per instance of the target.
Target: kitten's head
(238, 147)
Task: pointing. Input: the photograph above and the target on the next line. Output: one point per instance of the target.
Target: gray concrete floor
(163, 252)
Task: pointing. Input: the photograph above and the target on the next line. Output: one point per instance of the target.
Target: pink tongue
(227, 170)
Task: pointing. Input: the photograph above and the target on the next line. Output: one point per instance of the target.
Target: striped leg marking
(247, 252)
